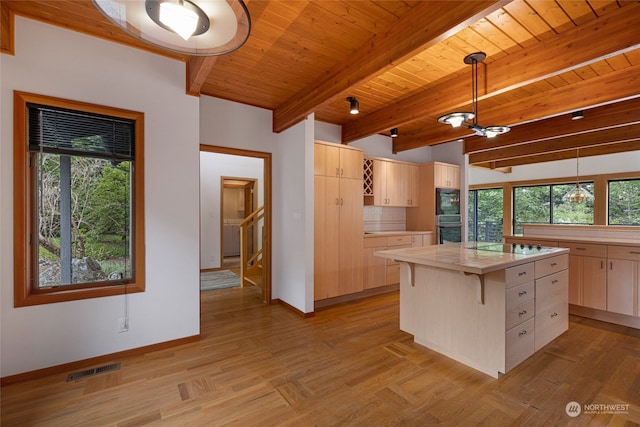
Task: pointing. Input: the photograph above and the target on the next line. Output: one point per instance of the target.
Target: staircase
(252, 238)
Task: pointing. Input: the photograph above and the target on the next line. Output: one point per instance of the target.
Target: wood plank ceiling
(403, 60)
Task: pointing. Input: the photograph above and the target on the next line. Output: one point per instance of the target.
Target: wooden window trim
(23, 294)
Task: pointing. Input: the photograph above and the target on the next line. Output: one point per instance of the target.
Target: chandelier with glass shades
(192, 27)
(470, 119)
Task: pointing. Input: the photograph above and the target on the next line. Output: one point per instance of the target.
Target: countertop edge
(402, 255)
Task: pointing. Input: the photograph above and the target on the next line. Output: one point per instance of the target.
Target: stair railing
(251, 230)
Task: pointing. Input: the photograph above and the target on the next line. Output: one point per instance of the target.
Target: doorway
(238, 199)
(234, 184)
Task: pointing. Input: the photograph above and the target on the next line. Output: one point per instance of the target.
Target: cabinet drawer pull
(522, 313)
(634, 252)
(521, 333)
(522, 273)
(553, 264)
(337, 171)
(522, 293)
(554, 314)
(581, 249)
(553, 282)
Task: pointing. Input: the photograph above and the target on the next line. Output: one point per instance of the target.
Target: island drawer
(399, 240)
(519, 294)
(587, 249)
(551, 265)
(552, 289)
(520, 343)
(519, 274)
(550, 323)
(519, 314)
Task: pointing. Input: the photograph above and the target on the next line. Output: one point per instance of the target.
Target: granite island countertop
(469, 257)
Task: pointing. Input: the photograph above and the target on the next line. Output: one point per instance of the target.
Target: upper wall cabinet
(446, 175)
(390, 183)
(336, 160)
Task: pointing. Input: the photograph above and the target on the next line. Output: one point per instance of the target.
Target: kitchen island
(487, 305)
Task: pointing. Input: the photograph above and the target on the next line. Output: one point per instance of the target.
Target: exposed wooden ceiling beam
(603, 117)
(564, 52)
(198, 68)
(6, 28)
(607, 88)
(596, 150)
(411, 34)
(619, 134)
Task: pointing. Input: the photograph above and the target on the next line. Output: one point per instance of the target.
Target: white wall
(595, 165)
(213, 166)
(52, 61)
(229, 124)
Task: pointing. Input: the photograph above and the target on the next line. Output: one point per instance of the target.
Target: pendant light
(470, 119)
(191, 27)
(577, 193)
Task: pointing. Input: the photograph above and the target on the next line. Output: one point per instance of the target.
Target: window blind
(61, 131)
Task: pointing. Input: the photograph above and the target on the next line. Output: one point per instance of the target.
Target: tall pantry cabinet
(338, 228)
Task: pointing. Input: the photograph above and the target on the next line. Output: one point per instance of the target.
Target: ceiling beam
(198, 68)
(608, 88)
(619, 134)
(595, 150)
(576, 48)
(6, 29)
(603, 117)
(411, 34)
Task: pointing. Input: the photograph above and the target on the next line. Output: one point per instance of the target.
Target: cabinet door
(575, 279)
(417, 240)
(379, 183)
(326, 160)
(621, 286)
(350, 237)
(326, 242)
(396, 194)
(413, 176)
(375, 268)
(351, 162)
(594, 283)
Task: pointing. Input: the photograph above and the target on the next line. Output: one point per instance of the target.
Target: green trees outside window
(485, 215)
(624, 202)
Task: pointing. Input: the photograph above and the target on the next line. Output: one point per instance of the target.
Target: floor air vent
(93, 371)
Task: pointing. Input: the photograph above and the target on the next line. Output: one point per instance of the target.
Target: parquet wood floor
(349, 365)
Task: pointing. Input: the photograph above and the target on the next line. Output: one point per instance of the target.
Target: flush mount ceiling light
(393, 133)
(577, 193)
(470, 119)
(354, 105)
(196, 28)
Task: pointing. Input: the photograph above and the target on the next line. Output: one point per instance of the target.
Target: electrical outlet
(123, 324)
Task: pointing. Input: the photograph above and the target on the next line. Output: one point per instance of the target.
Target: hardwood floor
(348, 365)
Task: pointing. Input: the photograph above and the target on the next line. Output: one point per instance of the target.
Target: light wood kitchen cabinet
(338, 239)
(391, 183)
(622, 280)
(587, 275)
(380, 271)
(337, 160)
(552, 306)
(446, 175)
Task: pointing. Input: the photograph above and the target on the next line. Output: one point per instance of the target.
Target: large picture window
(548, 204)
(485, 215)
(624, 203)
(78, 200)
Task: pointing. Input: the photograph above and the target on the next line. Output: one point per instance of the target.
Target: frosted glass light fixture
(190, 27)
(577, 193)
(470, 119)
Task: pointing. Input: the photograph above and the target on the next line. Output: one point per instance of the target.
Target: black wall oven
(448, 228)
(447, 201)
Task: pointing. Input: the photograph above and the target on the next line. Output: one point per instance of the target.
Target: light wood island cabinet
(338, 239)
(604, 276)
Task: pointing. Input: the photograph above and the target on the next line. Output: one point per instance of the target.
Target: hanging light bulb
(180, 19)
(577, 193)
